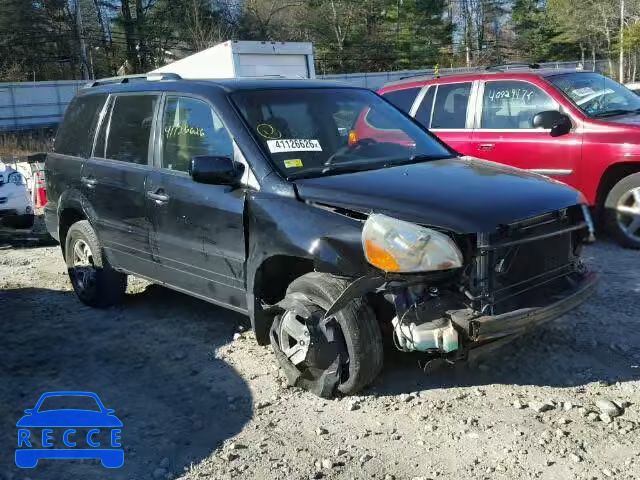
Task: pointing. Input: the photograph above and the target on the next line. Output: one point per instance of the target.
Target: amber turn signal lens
(353, 138)
(379, 257)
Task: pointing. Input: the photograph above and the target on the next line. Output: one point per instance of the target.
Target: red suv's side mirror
(558, 123)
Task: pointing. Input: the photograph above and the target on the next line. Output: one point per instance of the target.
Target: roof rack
(512, 66)
(150, 77)
(431, 75)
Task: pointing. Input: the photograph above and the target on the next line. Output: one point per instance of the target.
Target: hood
(462, 195)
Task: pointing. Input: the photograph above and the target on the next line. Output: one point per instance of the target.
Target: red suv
(578, 127)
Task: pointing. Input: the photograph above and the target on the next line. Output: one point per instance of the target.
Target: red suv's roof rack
(512, 66)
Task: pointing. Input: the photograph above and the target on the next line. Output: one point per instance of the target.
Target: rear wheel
(93, 280)
(622, 211)
(326, 356)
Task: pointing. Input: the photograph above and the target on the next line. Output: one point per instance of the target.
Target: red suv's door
(504, 131)
(444, 109)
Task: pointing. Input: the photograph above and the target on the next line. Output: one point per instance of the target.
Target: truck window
(450, 106)
(130, 128)
(82, 113)
(512, 104)
(403, 99)
(190, 128)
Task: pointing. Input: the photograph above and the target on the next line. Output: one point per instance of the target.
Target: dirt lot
(199, 399)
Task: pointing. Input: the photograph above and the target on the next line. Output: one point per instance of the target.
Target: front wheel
(342, 354)
(93, 280)
(622, 211)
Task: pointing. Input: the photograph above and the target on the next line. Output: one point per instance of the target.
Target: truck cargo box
(247, 59)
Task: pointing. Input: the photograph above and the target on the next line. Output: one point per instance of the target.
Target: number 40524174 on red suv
(578, 127)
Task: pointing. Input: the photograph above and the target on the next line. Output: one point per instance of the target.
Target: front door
(114, 181)
(198, 230)
(505, 131)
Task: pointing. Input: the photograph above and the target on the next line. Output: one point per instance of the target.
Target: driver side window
(191, 128)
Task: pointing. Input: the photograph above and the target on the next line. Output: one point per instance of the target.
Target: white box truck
(247, 59)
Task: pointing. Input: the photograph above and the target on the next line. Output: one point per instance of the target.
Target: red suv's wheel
(622, 211)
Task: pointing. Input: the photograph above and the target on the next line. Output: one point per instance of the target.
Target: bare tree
(264, 15)
(204, 30)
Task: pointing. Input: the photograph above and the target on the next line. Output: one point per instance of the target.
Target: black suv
(261, 196)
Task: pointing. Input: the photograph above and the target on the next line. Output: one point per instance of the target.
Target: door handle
(89, 181)
(486, 147)
(158, 196)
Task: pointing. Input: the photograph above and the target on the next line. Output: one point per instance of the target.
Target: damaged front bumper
(486, 332)
(492, 327)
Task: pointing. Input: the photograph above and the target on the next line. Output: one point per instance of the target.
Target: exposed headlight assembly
(396, 246)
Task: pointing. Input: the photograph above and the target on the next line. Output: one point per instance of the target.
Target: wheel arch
(612, 175)
(72, 207)
(269, 285)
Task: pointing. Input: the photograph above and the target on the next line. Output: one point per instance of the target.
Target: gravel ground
(199, 399)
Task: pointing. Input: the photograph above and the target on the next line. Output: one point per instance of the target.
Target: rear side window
(75, 135)
(192, 129)
(423, 114)
(450, 107)
(129, 128)
(403, 99)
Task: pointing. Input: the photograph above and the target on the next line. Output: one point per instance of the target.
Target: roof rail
(128, 78)
(507, 66)
(415, 75)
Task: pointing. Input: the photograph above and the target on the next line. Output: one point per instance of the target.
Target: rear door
(198, 229)
(114, 180)
(445, 110)
(73, 145)
(505, 133)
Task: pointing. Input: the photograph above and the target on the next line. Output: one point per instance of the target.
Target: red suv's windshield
(597, 95)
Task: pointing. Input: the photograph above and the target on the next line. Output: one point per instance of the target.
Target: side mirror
(215, 170)
(558, 123)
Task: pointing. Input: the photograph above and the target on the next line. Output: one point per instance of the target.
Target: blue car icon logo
(53, 430)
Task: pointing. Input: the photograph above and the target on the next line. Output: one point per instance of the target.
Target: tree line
(76, 39)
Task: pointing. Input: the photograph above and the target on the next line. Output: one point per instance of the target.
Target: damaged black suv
(321, 211)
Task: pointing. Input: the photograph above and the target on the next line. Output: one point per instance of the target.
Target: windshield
(597, 95)
(69, 402)
(324, 131)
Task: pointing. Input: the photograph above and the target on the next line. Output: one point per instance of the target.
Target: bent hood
(463, 195)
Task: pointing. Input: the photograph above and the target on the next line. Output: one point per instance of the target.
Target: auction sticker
(294, 145)
(293, 163)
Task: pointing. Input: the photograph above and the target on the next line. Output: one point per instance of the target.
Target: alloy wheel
(628, 213)
(294, 338)
(83, 266)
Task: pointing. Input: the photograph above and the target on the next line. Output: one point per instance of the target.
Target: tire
(96, 284)
(624, 194)
(357, 333)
